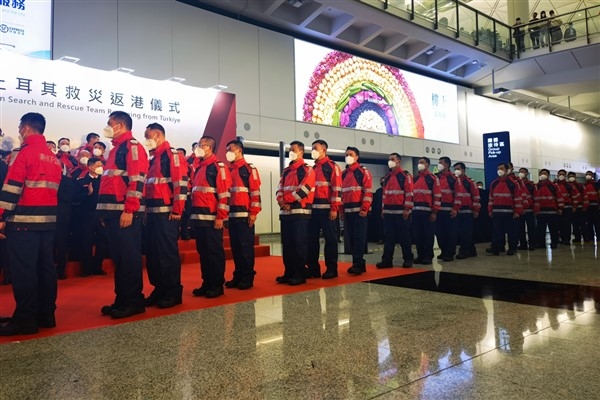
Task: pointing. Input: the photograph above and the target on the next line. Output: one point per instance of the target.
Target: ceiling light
(295, 3)
(176, 79)
(218, 87)
(474, 62)
(124, 69)
(69, 59)
(430, 51)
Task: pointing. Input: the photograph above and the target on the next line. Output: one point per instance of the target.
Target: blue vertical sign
(496, 150)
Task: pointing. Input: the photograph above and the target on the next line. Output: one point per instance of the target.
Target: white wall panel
(87, 30)
(276, 74)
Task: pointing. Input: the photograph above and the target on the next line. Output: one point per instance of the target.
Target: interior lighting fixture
(176, 79)
(124, 69)
(69, 59)
(430, 51)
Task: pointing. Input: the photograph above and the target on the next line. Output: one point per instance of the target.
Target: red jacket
(296, 188)
(245, 191)
(397, 192)
(591, 189)
(210, 192)
(122, 185)
(527, 191)
(328, 185)
(357, 189)
(427, 193)
(583, 202)
(547, 199)
(469, 196)
(569, 194)
(505, 196)
(451, 192)
(68, 161)
(29, 195)
(167, 181)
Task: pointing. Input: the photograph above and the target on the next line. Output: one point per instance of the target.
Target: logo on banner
(10, 29)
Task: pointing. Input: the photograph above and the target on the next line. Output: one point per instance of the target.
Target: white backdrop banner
(77, 100)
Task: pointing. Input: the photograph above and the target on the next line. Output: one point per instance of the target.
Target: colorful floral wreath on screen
(353, 92)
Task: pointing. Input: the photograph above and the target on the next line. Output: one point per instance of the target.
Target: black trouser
(535, 39)
(242, 249)
(550, 221)
(319, 221)
(578, 223)
(504, 224)
(293, 245)
(61, 237)
(424, 230)
(396, 230)
(592, 223)
(527, 219)
(185, 218)
(126, 252)
(566, 218)
(445, 231)
(4, 269)
(92, 234)
(355, 229)
(162, 259)
(464, 226)
(33, 274)
(209, 244)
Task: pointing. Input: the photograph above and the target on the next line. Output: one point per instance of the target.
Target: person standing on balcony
(534, 31)
(519, 36)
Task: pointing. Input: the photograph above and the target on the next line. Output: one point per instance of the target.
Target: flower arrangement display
(349, 91)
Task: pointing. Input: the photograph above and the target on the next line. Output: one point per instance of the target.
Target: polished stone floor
(491, 327)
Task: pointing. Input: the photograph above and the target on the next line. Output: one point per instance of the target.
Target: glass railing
(472, 27)
(577, 28)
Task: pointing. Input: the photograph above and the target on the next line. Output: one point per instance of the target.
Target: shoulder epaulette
(174, 150)
(133, 141)
(221, 164)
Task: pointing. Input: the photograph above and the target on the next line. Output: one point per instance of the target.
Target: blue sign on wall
(496, 150)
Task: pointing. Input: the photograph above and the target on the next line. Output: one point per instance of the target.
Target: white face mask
(150, 144)
(589, 177)
(315, 154)
(479, 187)
(421, 167)
(109, 132)
(561, 177)
(199, 152)
(65, 148)
(54, 151)
(457, 172)
(84, 160)
(391, 164)
(501, 172)
(99, 170)
(293, 156)
(441, 167)
(522, 175)
(543, 177)
(572, 179)
(349, 160)
(97, 152)
(230, 156)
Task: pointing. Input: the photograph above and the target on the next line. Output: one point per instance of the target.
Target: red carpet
(80, 299)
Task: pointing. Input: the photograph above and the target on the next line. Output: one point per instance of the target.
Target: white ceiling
(570, 77)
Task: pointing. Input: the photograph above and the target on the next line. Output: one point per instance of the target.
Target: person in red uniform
(244, 206)
(210, 209)
(357, 196)
(83, 156)
(90, 139)
(505, 207)
(98, 151)
(294, 195)
(570, 199)
(548, 205)
(427, 196)
(28, 204)
(592, 216)
(64, 154)
(397, 203)
(166, 191)
(470, 207)
(120, 206)
(579, 211)
(527, 229)
(445, 223)
(326, 204)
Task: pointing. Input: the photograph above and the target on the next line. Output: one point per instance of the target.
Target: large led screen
(339, 89)
(26, 27)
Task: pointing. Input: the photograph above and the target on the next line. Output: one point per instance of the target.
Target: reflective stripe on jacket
(167, 181)
(357, 189)
(245, 190)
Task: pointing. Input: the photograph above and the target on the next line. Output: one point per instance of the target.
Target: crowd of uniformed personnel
(152, 188)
